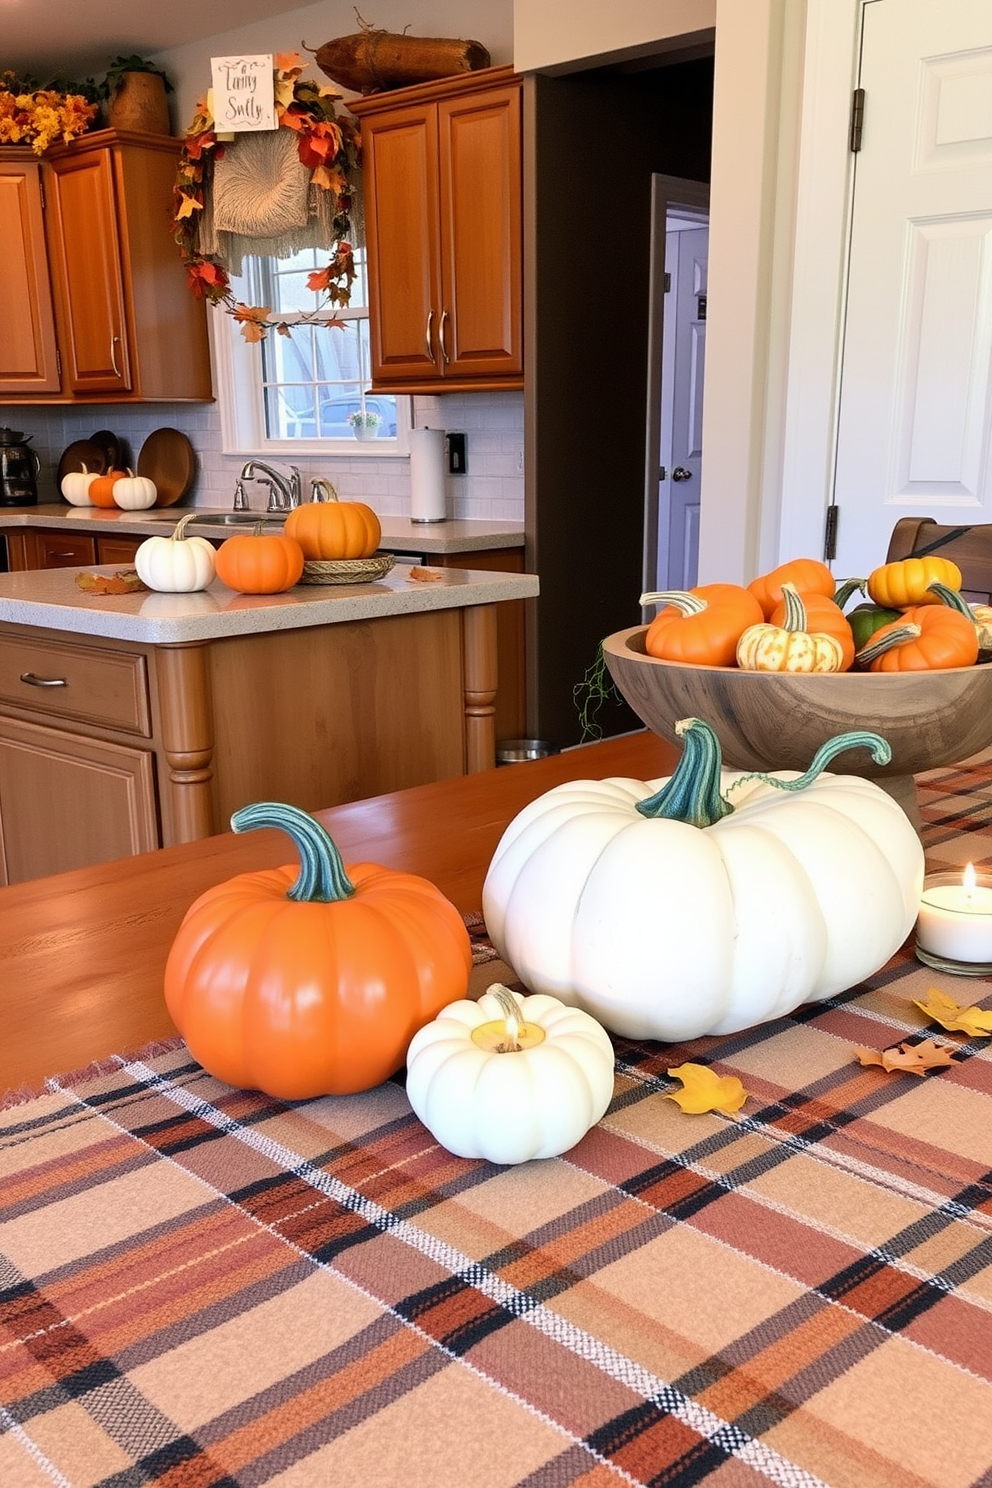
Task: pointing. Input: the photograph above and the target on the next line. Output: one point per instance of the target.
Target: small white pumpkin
(708, 901)
(509, 1078)
(135, 492)
(177, 564)
(75, 486)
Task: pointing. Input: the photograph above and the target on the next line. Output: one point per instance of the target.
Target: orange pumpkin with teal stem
(259, 562)
(312, 980)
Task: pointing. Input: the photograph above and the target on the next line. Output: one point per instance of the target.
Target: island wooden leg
(479, 683)
(188, 742)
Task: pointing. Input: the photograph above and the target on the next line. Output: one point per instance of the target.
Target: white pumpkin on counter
(176, 564)
(135, 492)
(708, 901)
(75, 486)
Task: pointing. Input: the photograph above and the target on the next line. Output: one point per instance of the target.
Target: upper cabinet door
(86, 265)
(28, 354)
(443, 196)
(401, 207)
(480, 171)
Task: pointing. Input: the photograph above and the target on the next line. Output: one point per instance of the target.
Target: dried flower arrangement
(327, 144)
(41, 116)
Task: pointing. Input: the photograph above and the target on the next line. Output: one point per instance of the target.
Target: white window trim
(238, 383)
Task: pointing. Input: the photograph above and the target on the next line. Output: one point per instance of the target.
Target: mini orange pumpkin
(101, 491)
(312, 987)
(925, 638)
(332, 530)
(701, 625)
(259, 563)
(809, 575)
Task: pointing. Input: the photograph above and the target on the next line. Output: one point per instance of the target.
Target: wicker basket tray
(347, 570)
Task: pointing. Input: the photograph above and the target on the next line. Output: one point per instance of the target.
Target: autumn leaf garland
(327, 144)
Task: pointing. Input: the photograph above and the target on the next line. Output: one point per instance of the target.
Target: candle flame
(968, 879)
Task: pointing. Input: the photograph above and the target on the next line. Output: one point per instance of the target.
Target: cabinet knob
(33, 681)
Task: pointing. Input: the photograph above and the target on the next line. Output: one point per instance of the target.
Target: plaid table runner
(201, 1287)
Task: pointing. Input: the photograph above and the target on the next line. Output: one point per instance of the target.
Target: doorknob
(680, 473)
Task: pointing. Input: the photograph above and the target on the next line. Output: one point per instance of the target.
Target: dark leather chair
(969, 547)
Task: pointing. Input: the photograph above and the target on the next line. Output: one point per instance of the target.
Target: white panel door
(915, 413)
(687, 409)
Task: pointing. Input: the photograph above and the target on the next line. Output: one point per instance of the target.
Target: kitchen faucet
(284, 492)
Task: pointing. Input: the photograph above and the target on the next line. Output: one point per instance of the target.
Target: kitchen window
(302, 393)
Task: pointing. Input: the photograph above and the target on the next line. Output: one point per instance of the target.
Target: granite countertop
(50, 598)
(399, 534)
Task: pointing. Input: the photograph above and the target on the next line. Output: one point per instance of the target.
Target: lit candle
(955, 920)
(510, 1078)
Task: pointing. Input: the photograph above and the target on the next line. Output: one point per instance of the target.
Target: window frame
(238, 380)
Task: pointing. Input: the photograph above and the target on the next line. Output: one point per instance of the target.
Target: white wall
(487, 21)
(549, 35)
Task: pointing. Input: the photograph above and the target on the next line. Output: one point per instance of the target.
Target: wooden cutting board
(168, 458)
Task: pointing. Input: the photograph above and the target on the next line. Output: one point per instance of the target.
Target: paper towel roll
(427, 475)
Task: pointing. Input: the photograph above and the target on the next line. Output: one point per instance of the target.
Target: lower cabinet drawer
(107, 688)
(64, 549)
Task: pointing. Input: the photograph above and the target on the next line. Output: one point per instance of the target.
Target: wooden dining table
(202, 1285)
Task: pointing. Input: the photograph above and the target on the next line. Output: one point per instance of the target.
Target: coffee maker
(19, 468)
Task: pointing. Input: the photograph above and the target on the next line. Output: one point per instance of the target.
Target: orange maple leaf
(908, 1059)
(704, 1090)
(319, 279)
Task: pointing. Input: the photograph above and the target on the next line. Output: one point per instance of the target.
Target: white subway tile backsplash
(491, 489)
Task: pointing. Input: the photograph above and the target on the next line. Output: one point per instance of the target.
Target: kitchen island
(134, 721)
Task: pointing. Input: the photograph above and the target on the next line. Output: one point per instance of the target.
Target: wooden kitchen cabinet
(28, 351)
(442, 189)
(126, 326)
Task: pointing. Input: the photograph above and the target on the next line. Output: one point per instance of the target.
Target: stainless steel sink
(240, 519)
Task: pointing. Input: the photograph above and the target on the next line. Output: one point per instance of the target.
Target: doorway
(677, 348)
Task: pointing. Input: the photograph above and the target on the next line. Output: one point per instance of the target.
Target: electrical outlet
(457, 454)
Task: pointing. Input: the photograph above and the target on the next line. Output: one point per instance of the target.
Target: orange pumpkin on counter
(101, 491)
(332, 530)
(259, 563)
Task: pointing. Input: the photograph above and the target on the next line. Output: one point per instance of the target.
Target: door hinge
(58, 362)
(668, 283)
(830, 533)
(857, 119)
(41, 190)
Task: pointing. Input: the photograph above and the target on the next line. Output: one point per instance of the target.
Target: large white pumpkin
(667, 930)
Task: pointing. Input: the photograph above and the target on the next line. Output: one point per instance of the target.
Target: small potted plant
(365, 424)
(135, 90)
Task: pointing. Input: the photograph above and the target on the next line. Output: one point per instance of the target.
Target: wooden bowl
(777, 721)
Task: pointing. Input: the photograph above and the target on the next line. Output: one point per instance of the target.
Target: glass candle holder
(954, 927)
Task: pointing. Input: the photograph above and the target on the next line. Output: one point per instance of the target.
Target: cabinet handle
(427, 336)
(33, 681)
(113, 355)
(440, 335)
